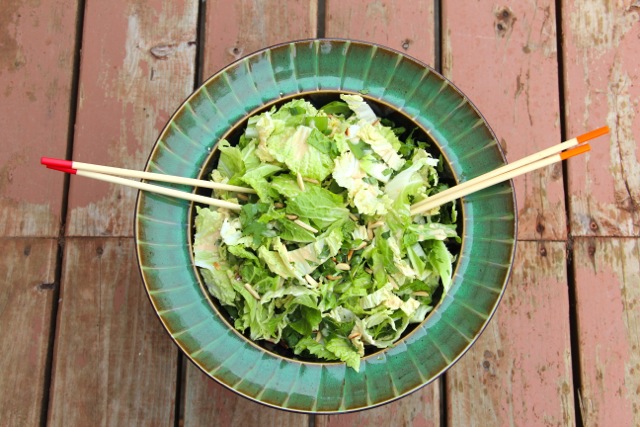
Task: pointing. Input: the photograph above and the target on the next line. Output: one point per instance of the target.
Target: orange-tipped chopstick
(553, 154)
(149, 187)
(60, 164)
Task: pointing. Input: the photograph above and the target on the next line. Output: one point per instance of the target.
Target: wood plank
(608, 298)
(401, 25)
(209, 403)
(232, 30)
(36, 71)
(235, 29)
(114, 364)
(519, 372)
(505, 59)
(137, 67)
(27, 273)
(601, 71)
(418, 409)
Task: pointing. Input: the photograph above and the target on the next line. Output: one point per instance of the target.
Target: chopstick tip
(56, 163)
(575, 151)
(593, 134)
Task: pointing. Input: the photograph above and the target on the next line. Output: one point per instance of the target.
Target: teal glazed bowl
(163, 226)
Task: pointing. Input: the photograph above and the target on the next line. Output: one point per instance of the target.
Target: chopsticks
(557, 153)
(109, 174)
(527, 164)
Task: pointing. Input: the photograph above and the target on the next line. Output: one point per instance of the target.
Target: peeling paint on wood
(504, 59)
(519, 371)
(608, 301)
(114, 363)
(27, 274)
(405, 26)
(137, 67)
(235, 29)
(601, 66)
(36, 68)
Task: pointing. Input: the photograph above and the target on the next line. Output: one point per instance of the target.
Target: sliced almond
(332, 277)
(354, 335)
(420, 294)
(343, 266)
(305, 226)
(310, 280)
(252, 291)
(292, 217)
(300, 181)
(350, 254)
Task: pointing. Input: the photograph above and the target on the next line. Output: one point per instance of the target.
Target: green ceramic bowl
(164, 225)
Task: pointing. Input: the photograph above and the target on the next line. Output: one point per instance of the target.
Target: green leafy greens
(326, 259)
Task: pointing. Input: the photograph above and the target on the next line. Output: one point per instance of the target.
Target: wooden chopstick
(108, 170)
(150, 187)
(570, 143)
(456, 193)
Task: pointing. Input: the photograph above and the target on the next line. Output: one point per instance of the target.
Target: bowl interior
(318, 99)
(216, 110)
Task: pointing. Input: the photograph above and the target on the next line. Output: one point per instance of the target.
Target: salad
(325, 259)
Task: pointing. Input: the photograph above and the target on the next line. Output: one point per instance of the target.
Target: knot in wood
(163, 51)
(504, 21)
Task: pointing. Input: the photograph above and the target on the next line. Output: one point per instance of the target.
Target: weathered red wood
(114, 364)
(519, 371)
(418, 409)
(601, 71)
(504, 58)
(235, 29)
(27, 283)
(209, 403)
(405, 26)
(137, 67)
(36, 69)
(608, 299)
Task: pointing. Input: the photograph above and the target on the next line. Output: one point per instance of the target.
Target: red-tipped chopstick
(149, 187)
(527, 164)
(60, 164)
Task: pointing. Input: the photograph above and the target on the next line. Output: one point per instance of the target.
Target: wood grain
(505, 59)
(232, 30)
(235, 29)
(36, 70)
(608, 299)
(114, 364)
(405, 26)
(27, 283)
(602, 68)
(209, 403)
(138, 62)
(420, 409)
(519, 372)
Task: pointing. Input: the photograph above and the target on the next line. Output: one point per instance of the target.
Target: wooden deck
(96, 80)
